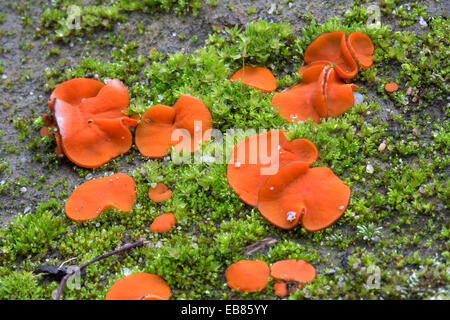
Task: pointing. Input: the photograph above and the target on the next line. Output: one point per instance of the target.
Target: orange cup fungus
(163, 223)
(185, 126)
(256, 77)
(344, 53)
(280, 289)
(252, 276)
(159, 193)
(93, 197)
(322, 93)
(293, 270)
(248, 276)
(314, 197)
(361, 48)
(139, 286)
(89, 121)
(256, 154)
(391, 87)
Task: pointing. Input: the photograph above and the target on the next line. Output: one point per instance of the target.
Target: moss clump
(33, 233)
(20, 285)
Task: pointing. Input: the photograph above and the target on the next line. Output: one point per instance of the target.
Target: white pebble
(422, 22)
(291, 215)
(126, 272)
(369, 169)
(208, 159)
(359, 98)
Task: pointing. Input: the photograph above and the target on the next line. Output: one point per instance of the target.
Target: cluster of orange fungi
(253, 276)
(322, 93)
(295, 194)
(118, 191)
(89, 122)
(90, 126)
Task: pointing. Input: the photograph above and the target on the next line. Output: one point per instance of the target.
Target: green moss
(20, 286)
(32, 233)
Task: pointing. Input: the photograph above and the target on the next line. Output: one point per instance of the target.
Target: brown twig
(138, 243)
(259, 245)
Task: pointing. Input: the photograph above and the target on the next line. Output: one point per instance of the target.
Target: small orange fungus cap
(313, 196)
(159, 193)
(93, 197)
(391, 87)
(248, 276)
(163, 223)
(256, 77)
(256, 158)
(139, 286)
(293, 270)
(185, 126)
(280, 289)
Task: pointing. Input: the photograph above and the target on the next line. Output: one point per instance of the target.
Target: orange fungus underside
(91, 198)
(248, 276)
(163, 223)
(185, 126)
(256, 77)
(139, 286)
(256, 158)
(314, 197)
(293, 270)
(159, 193)
(90, 121)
